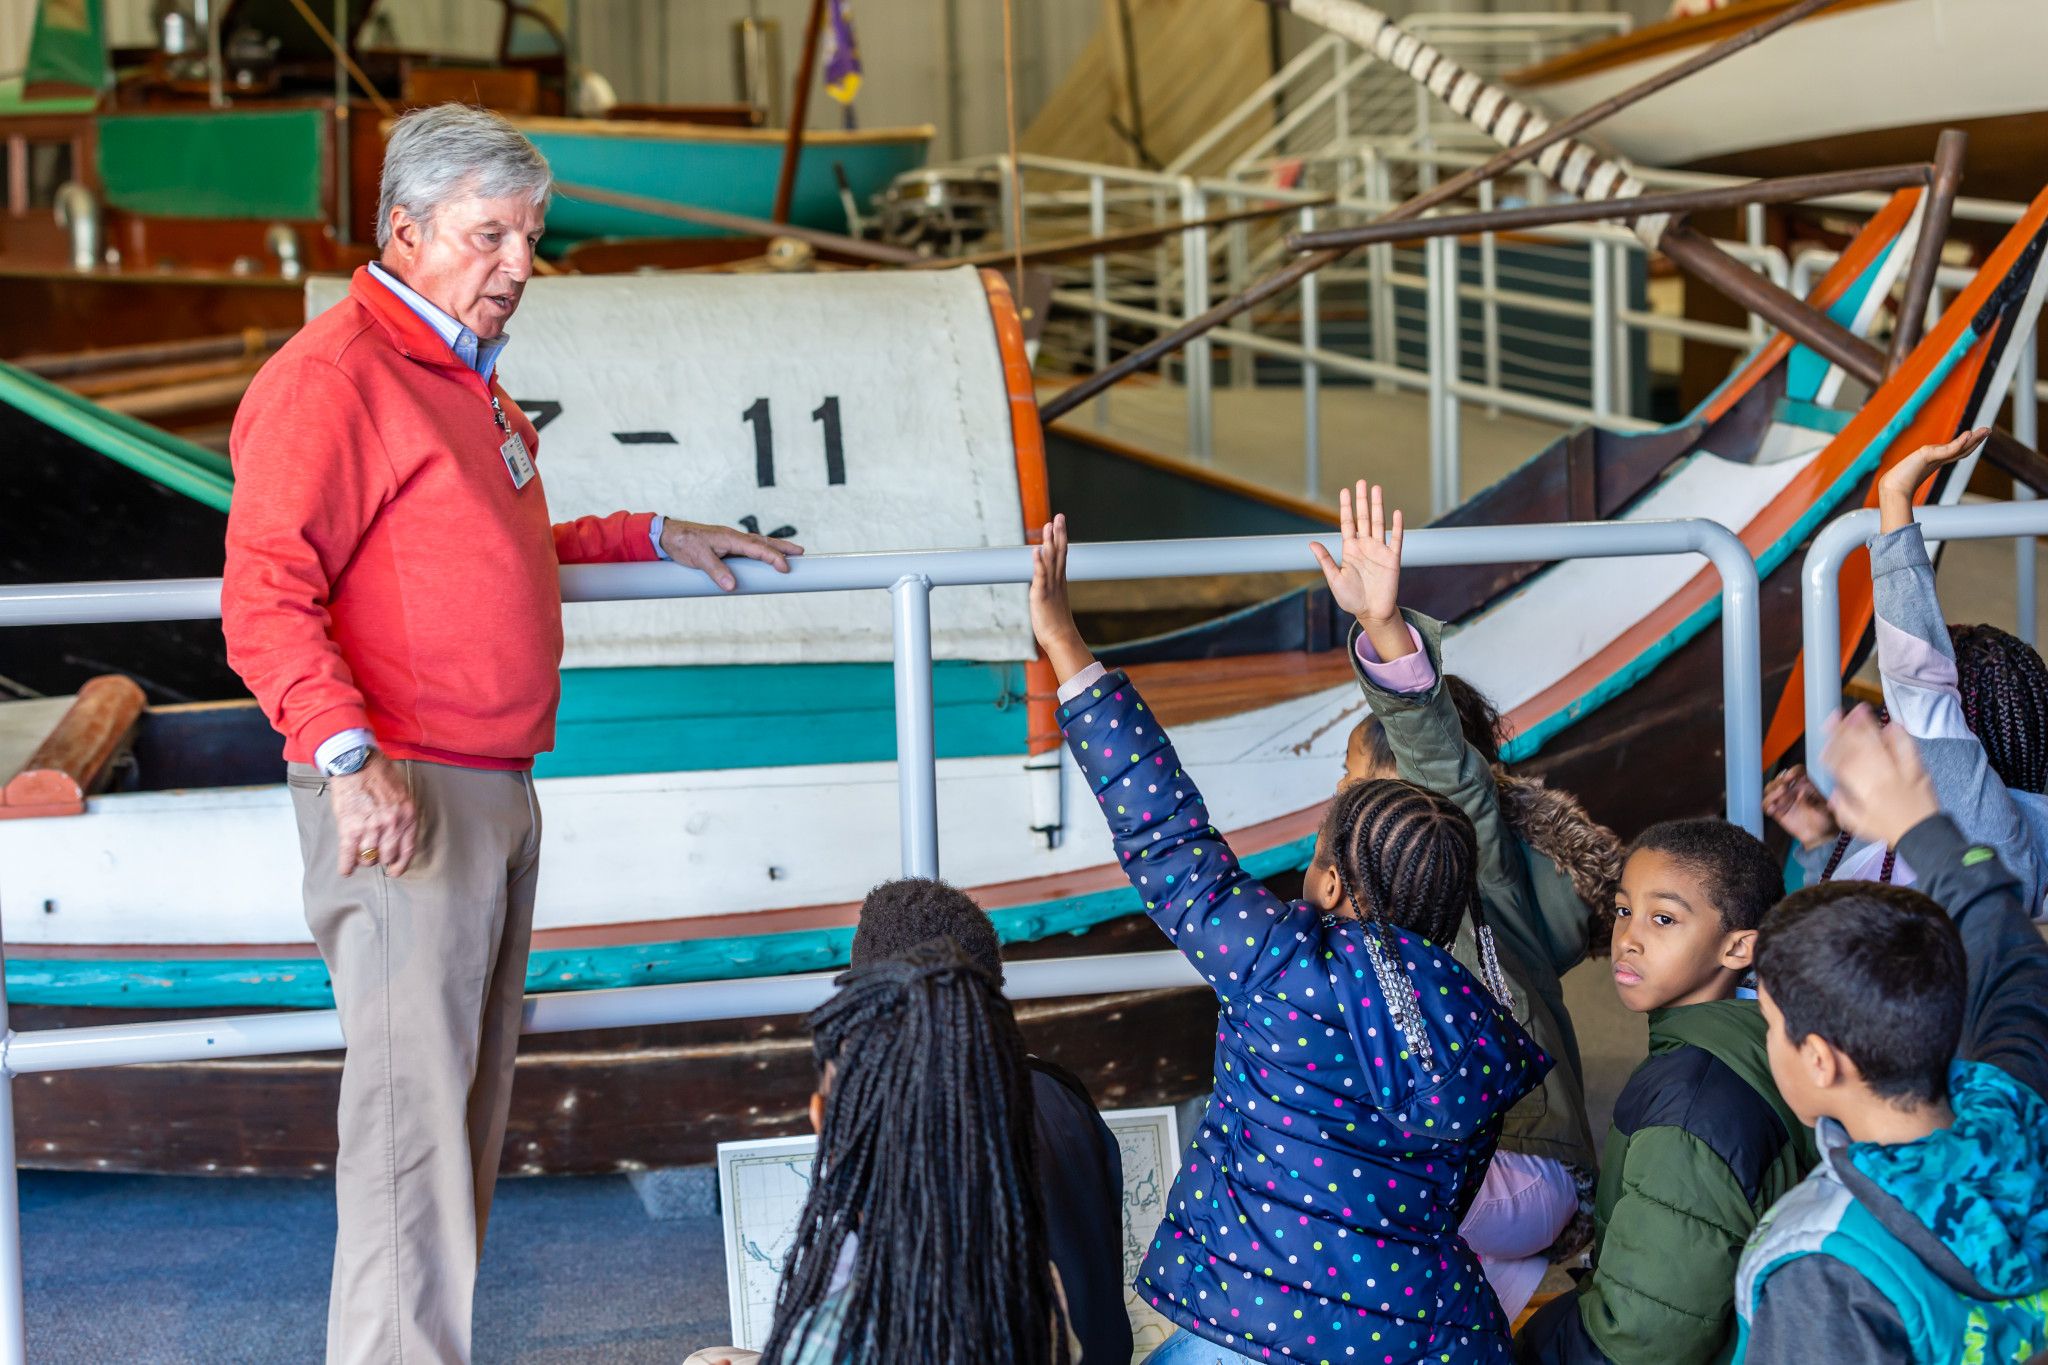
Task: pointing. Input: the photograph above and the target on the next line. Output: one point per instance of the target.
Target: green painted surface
(68, 46)
(179, 465)
(261, 164)
(1812, 416)
(303, 983)
(708, 716)
(737, 177)
(12, 101)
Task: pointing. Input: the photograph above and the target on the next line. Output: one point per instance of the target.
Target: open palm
(1368, 581)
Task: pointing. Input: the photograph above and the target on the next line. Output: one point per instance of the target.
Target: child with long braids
(1361, 1073)
(1975, 697)
(1547, 877)
(922, 1238)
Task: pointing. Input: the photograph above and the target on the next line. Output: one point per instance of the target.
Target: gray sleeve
(1812, 861)
(1817, 1311)
(1918, 667)
(2005, 1015)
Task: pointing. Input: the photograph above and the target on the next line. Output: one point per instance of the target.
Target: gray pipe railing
(909, 578)
(1821, 580)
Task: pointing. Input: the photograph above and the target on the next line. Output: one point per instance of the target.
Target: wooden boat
(209, 217)
(1804, 101)
(1607, 670)
(732, 169)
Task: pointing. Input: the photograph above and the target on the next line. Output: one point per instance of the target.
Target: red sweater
(382, 570)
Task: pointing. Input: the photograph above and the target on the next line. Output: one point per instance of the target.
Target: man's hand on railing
(705, 547)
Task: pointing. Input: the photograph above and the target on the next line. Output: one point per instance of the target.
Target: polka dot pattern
(1314, 1216)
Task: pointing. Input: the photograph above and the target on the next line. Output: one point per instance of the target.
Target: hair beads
(1408, 858)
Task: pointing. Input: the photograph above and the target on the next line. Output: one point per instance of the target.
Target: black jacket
(1081, 1174)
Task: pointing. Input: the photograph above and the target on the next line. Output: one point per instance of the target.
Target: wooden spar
(800, 109)
(1934, 215)
(1689, 251)
(249, 343)
(1064, 248)
(72, 761)
(878, 252)
(2024, 463)
(1785, 190)
(1291, 274)
(153, 404)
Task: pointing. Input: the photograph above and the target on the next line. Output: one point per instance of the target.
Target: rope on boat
(1571, 165)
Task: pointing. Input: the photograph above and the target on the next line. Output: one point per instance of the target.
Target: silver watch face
(348, 762)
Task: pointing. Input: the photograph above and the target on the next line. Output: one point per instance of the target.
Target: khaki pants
(428, 970)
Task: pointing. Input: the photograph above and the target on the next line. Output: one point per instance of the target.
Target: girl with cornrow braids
(1546, 877)
(922, 1237)
(1361, 1072)
(1974, 697)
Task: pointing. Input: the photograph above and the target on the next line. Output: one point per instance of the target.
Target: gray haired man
(391, 599)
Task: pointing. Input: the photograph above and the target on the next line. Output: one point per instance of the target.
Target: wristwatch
(348, 761)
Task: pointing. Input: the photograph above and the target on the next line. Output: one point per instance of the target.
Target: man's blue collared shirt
(469, 348)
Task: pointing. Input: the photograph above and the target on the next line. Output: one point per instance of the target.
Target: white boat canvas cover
(866, 411)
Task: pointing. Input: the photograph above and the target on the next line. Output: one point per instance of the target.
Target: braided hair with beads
(925, 1157)
(1408, 858)
(2004, 688)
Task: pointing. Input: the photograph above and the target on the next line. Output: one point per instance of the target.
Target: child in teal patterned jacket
(1910, 1026)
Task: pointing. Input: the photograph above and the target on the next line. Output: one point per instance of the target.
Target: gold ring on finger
(366, 856)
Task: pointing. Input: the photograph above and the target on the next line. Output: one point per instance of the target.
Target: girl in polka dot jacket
(1361, 1073)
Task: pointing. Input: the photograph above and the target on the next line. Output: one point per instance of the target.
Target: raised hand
(1052, 616)
(1881, 790)
(1896, 489)
(1801, 811)
(1368, 581)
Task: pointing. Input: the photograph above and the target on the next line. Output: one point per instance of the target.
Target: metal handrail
(909, 577)
(1821, 583)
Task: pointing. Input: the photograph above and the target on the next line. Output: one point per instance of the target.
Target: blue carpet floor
(234, 1272)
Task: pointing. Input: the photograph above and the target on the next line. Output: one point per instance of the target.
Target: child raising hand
(1546, 878)
(1361, 1073)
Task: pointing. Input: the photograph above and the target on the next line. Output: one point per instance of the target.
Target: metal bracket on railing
(917, 774)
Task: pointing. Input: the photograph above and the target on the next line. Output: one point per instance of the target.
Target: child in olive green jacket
(1701, 1143)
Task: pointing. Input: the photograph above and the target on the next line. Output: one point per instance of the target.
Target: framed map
(762, 1186)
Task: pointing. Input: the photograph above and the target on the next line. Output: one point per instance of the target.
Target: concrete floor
(166, 1271)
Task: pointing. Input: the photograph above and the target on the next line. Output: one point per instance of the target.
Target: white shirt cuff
(1086, 678)
(654, 534)
(334, 746)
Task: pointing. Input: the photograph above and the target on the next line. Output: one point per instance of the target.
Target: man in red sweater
(391, 599)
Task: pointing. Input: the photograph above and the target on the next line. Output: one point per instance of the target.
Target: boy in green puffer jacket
(1702, 1143)
(1911, 1024)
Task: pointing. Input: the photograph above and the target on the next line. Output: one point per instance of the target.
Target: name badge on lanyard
(517, 461)
(512, 450)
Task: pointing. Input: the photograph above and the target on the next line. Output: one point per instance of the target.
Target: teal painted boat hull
(303, 983)
(736, 176)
